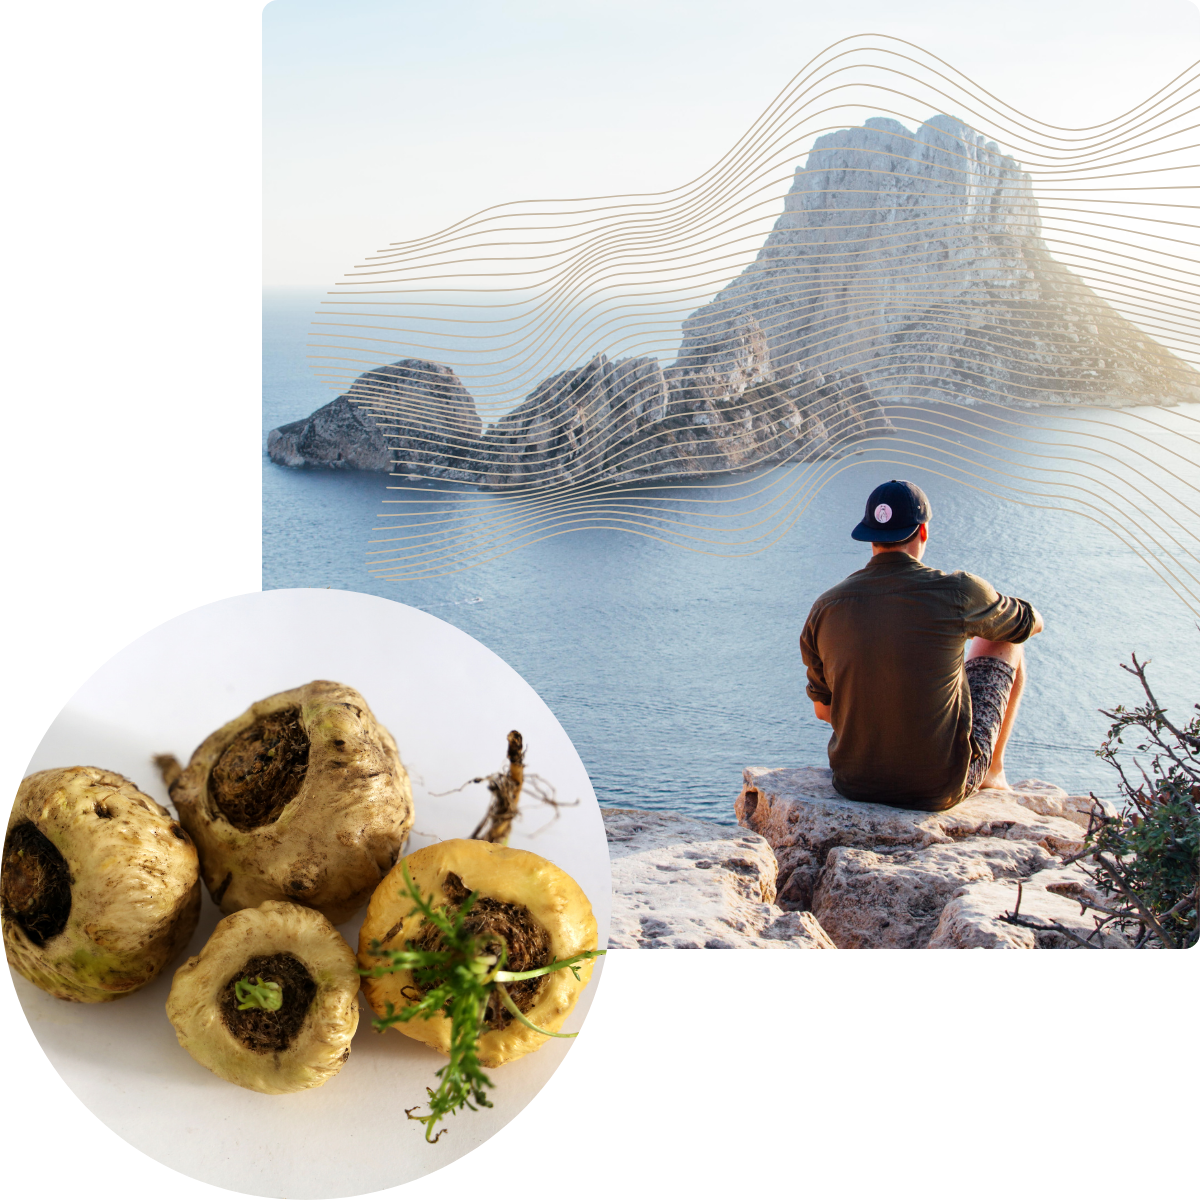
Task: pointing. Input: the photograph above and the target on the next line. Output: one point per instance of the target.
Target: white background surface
(449, 702)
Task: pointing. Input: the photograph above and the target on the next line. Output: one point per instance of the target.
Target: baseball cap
(894, 510)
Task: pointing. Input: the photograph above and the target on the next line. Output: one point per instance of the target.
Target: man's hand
(823, 712)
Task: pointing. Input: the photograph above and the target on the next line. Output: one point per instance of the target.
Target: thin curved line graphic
(949, 285)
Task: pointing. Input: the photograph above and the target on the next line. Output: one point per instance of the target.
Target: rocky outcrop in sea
(609, 421)
(409, 415)
(809, 869)
(627, 420)
(916, 259)
(907, 267)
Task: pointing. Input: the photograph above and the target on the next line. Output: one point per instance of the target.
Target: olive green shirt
(884, 649)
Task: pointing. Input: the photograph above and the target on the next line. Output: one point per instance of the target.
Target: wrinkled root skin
(335, 839)
(318, 1049)
(135, 888)
(508, 877)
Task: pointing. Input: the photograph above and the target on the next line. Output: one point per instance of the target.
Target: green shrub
(1144, 862)
(1147, 859)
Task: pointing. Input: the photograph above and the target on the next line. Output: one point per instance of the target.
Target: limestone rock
(892, 897)
(1053, 801)
(689, 884)
(615, 421)
(916, 260)
(906, 267)
(972, 919)
(570, 427)
(336, 435)
(876, 876)
(624, 420)
(408, 415)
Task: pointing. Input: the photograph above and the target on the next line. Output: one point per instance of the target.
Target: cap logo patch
(883, 513)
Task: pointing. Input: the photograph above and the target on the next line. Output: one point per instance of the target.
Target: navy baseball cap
(894, 510)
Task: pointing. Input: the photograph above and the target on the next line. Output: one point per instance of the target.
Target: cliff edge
(809, 869)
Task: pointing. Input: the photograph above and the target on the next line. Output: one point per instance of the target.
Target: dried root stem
(506, 788)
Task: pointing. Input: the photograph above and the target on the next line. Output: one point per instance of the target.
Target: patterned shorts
(991, 681)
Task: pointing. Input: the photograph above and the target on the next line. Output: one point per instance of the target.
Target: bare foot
(995, 779)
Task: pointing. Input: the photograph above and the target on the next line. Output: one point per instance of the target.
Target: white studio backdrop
(449, 702)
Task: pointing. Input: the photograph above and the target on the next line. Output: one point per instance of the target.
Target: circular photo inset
(254, 809)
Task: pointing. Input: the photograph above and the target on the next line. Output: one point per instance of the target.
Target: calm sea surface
(672, 670)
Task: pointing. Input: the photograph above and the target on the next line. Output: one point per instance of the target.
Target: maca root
(261, 770)
(490, 920)
(505, 788)
(35, 884)
(261, 1030)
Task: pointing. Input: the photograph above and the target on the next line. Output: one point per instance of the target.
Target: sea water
(671, 670)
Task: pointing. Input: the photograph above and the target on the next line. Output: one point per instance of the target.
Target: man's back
(884, 649)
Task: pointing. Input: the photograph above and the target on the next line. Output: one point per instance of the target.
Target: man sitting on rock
(913, 725)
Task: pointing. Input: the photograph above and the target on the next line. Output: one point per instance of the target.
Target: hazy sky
(389, 119)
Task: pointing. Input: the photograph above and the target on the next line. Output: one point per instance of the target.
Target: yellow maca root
(303, 1043)
(301, 798)
(100, 885)
(522, 897)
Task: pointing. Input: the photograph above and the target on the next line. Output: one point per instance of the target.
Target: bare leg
(1014, 655)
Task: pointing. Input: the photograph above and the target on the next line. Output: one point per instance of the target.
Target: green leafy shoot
(268, 996)
(457, 981)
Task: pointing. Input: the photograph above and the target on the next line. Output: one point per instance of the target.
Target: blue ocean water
(671, 670)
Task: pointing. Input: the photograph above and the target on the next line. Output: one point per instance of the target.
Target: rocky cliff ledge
(684, 884)
(812, 870)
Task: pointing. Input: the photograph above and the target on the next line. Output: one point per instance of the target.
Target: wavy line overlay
(974, 293)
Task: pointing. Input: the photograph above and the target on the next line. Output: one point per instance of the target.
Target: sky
(385, 121)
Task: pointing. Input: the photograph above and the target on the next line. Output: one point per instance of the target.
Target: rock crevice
(684, 884)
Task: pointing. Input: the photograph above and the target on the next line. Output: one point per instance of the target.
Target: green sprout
(457, 981)
(268, 996)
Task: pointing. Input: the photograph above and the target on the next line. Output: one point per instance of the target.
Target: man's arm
(994, 617)
(817, 689)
